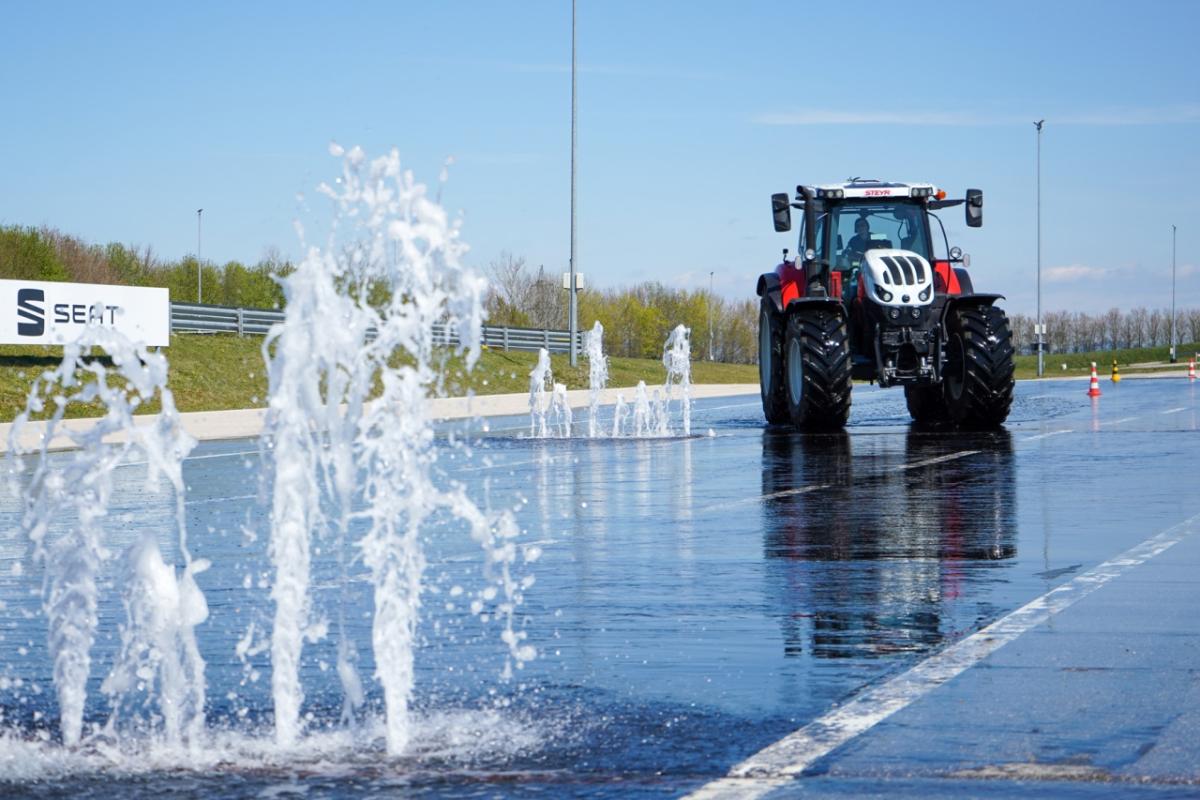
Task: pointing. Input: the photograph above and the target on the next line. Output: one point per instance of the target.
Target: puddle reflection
(869, 558)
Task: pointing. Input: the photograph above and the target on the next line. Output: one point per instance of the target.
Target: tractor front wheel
(770, 364)
(817, 368)
(979, 367)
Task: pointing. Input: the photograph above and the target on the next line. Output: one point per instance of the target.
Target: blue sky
(125, 118)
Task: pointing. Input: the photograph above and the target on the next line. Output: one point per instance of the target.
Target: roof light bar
(922, 191)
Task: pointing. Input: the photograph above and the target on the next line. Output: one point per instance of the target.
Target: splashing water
(538, 379)
(643, 415)
(677, 360)
(163, 610)
(597, 375)
(618, 416)
(65, 503)
(652, 413)
(560, 410)
(390, 270)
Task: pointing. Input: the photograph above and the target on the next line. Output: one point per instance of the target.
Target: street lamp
(1038, 327)
(571, 308)
(1173, 356)
(199, 262)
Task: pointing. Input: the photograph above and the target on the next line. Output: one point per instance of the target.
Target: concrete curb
(248, 423)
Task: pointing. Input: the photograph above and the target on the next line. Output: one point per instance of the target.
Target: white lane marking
(928, 462)
(1174, 410)
(762, 498)
(778, 764)
(223, 455)
(1046, 435)
(723, 408)
(208, 500)
(192, 458)
(451, 471)
(1118, 421)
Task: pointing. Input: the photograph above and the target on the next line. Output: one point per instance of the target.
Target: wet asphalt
(698, 599)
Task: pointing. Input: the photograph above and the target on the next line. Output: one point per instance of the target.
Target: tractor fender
(954, 301)
(833, 303)
(769, 286)
(965, 286)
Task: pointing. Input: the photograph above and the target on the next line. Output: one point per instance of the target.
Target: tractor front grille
(903, 270)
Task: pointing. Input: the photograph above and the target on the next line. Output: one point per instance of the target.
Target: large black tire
(979, 367)
(927, 405)
(816, 368)
(770, 364)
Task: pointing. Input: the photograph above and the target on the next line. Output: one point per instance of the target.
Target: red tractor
(867, 299)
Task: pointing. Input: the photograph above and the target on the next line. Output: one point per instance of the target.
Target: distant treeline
(636, 319)
(45, 254)
(1079, 332)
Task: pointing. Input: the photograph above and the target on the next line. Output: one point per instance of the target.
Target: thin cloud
(559, 68)
(1166, 115)
(1135, 116)
(604, 69)
(1074, 272)
(831, 117)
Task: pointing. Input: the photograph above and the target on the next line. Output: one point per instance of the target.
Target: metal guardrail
(195, 318)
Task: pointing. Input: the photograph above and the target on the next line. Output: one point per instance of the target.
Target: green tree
(26, 254)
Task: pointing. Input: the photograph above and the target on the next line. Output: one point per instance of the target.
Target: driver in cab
(860, 242)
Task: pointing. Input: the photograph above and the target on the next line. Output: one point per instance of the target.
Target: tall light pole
(710, 327)
(1038, 327)
(199, 262)
(1173, 356)
(571, 309)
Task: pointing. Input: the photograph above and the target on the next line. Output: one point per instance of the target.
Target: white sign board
(42, 312)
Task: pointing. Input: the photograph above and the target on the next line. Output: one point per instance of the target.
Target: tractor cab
(848, 230)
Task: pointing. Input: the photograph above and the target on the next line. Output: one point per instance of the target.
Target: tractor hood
(897, 278)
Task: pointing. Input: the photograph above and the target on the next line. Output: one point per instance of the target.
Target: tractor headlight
(924, 295)
(894, 313)
(883, 294)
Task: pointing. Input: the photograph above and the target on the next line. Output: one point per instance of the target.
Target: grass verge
(1131, 362)
(218, 372)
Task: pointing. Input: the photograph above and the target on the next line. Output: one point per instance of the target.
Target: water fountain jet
(65, 504)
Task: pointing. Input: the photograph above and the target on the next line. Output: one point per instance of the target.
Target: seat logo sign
(31, 312)
(58, 312)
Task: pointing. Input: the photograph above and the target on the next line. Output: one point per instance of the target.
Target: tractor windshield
(855, 227)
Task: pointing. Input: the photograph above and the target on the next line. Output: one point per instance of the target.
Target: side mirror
(781, 209)
(974, 208)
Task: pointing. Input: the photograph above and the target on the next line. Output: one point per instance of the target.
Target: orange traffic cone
(1192, 370)
(1094, 389)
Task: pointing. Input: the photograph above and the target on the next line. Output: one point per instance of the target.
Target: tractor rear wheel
(979, 367)
(926, 405)
(817, 368)
(770, 364)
